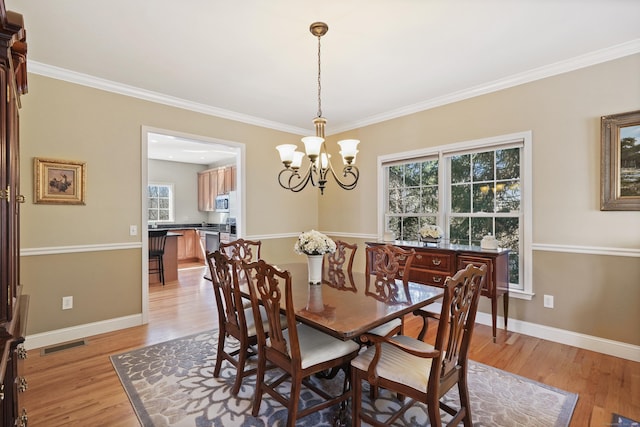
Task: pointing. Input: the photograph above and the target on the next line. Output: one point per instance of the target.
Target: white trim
(54, 250)
(159, 98)
(58, 336)
(593, 58)
(574, 339)
(592, 250)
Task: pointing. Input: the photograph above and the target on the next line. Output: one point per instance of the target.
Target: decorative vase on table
(314, 245)
(314, 264)
(430, 240)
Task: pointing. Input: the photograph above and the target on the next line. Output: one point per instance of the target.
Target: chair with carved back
(387, 276)
(242, 250)
(233, 318)
(339, 270)
(422, 372)
(299, 351)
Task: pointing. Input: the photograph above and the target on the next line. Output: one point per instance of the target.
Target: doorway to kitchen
(179, 192)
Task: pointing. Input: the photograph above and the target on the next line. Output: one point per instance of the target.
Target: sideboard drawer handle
(436, 261)
(437, 279)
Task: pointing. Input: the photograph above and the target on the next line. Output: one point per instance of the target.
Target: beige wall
(73, 122)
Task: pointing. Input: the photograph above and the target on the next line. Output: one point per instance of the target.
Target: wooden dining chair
(157, 240)
(242, 250)
(419, 371)
(386, 266)
(339, 269)
(299, 351)
(233, 318)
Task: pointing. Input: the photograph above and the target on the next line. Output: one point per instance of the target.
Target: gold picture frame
(59, 182)
(620, 162)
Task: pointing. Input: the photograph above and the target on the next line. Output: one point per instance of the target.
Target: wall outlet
(133, 230)
(548, 301)
(67, 303)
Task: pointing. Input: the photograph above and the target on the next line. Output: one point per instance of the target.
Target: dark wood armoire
(13, 305)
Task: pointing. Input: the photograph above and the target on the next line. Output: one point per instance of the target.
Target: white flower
(314, 243)
(431, 231)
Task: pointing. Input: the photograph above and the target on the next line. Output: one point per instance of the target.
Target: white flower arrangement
(432, 231)
(314, 243)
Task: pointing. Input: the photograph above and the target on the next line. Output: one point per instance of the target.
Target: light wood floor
(79, 387)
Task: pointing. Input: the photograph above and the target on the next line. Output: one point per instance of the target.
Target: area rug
(171, 384)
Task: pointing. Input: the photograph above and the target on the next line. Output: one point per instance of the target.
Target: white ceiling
(255, 60)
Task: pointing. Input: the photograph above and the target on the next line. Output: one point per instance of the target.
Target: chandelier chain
(319, 84)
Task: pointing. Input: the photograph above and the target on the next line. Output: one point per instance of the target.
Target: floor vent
(64, 346)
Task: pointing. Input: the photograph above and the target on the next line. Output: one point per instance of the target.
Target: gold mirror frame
(615, 194)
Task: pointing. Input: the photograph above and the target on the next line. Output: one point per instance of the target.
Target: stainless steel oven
(210, 240)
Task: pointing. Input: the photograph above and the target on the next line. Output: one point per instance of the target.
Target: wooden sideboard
(433, 264)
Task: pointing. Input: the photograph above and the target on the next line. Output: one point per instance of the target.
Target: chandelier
(319, 168)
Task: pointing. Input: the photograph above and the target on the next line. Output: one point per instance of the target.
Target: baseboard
(58, 336)
(575, 339)
(587, 342)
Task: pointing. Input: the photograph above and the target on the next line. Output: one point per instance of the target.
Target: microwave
(222, 203)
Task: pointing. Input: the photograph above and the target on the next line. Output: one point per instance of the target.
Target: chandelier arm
(302, 181)
(350, 172)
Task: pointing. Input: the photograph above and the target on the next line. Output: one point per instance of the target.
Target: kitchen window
(470, 189)
(160, 202)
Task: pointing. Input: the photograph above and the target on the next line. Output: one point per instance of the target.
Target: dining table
(345, 306)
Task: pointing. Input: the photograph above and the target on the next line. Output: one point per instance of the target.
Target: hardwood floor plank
(79, 387)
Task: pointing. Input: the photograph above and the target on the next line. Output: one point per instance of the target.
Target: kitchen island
(170, 260)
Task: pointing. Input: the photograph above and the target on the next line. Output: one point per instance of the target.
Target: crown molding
(159, 98)
(593, 58)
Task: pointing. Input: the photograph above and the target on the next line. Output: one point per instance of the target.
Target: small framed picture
(620, 162)
(60, 182)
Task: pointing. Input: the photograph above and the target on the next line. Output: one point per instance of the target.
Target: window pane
(164, 215)
(412, 174)
(412, 200)
(480, 227)
(163, 203)
(461, 198)
(459, 230)
(395, 177)
(508, 235)
(508, 198)
(482, 166)
(508, 163)
(429, 199)
(483, 198)
(163, 191)
(395, 201)
(410, 227)
(395, 225)
(460, 169)
(430, 172)
(153, 191)
(153, 215)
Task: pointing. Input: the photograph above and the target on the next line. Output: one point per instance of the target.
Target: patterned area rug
(171, 384)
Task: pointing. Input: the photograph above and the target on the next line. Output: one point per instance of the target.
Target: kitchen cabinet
(433, 264)
(213, 182)
(188, 244)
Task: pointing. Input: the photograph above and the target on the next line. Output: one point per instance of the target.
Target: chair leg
(294, 401)
(221, 339)
(162, 270)
(356, 406)
(465, 404)
(257, 398)
(242, 359)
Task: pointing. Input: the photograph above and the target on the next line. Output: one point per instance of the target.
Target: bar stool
(157, 239)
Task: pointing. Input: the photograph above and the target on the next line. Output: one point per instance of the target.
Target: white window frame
(491, 143)
(172, 212)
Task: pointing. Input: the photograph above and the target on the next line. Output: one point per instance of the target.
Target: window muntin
(160, 202)
(481, 193)
(412, 197)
